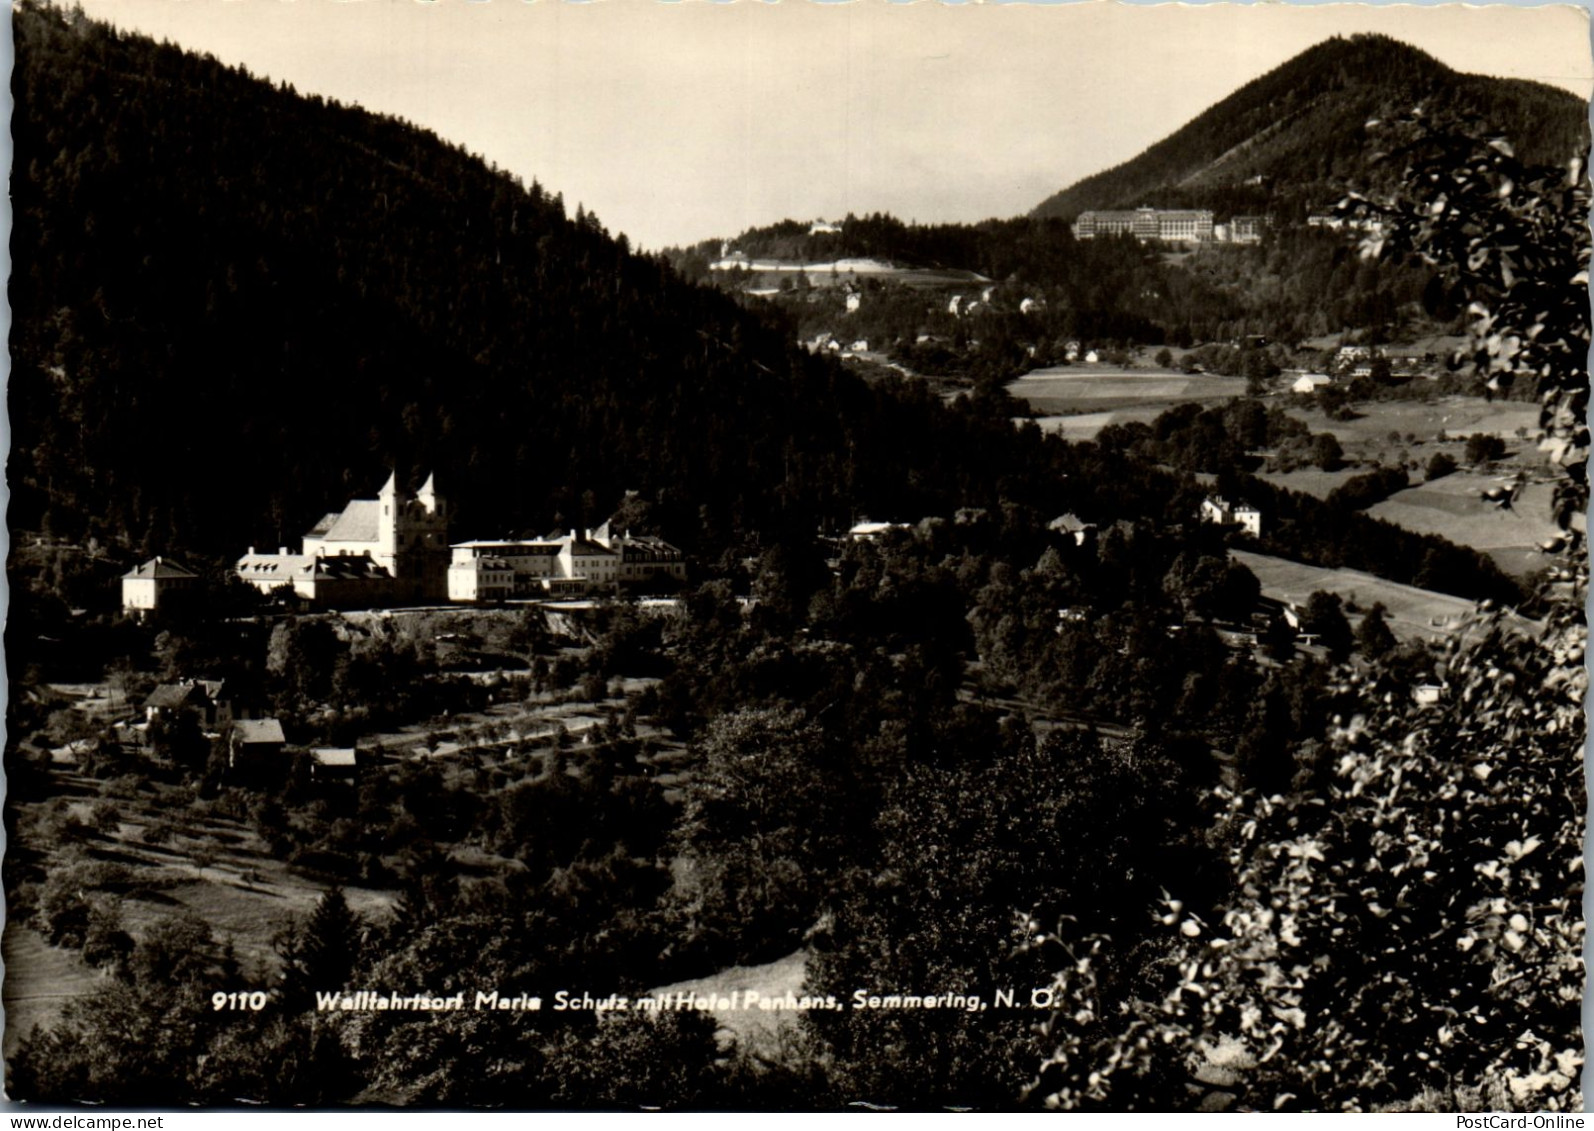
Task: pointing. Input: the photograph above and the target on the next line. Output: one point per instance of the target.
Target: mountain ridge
(235, 308)
(1328, 93)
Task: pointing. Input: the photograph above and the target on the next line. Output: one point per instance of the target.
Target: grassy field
(220, 870)
(1313, 481)
(753, 1028)
(215, 867)
(1098, 389)
(1087, 425)
(1424, 421)
(1413, 614)
(40, 980)
(1453, 508)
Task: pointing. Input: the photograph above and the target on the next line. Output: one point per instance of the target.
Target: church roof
(359, 522)
(321, 527)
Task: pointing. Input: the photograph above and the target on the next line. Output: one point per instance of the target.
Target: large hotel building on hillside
(1172, 225)
(1146, 224)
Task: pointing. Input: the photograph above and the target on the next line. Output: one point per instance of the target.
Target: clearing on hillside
(1067, 389)
(1454, 507)
(754, 1029)
(1413, 614)
(1454, 416)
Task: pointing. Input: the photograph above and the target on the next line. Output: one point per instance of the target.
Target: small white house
(1309, 383)
(144, 587)
(334, 764)
(1428, 694)
(869, 531)
(1073, 527)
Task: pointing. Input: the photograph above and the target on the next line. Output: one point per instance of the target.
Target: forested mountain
(1285, 145)
(234, 308)
(1293, 139)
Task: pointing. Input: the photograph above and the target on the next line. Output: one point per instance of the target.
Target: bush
(1483, 448)
(105, 943)
(1363, 491)
(1441, 465)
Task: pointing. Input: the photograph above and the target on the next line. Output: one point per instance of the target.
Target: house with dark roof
(255, 746)
(145, 588)
(207, 698)
(335, 765)
(341, 582)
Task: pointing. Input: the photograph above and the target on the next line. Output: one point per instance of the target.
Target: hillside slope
(1292, 139)
(234, 308)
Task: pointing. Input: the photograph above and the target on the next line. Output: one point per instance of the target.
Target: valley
(1110, 657)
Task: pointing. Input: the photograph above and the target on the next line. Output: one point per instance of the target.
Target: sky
(680, 121)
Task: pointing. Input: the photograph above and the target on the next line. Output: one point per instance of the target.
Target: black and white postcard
(797, 556)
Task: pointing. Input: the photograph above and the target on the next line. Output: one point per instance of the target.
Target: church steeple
(428, 495)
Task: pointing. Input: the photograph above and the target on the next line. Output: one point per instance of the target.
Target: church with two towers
(386, 550)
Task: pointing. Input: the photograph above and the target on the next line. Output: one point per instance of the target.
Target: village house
(335, 765)
(1428, 694)
(1072, 526)
(1246, 229)
(157, 582)
(867, 531)
(1217, 509)
(255, 746)
(1308, 383)
(205, 697)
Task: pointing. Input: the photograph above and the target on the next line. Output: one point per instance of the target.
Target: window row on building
(1171, 225)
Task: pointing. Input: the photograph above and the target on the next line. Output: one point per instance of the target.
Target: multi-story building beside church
(563, 565)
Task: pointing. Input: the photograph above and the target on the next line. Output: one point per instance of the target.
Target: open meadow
(754, 1029)
(1382, 425)
(1412, 613)
(1453, 507)
(156, 849)
(168, 853)
(1108, 389)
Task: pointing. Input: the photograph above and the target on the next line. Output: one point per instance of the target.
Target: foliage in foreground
(1411, 927)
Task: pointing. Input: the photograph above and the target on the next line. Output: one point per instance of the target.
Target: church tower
(389, 506)
(420, 543)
